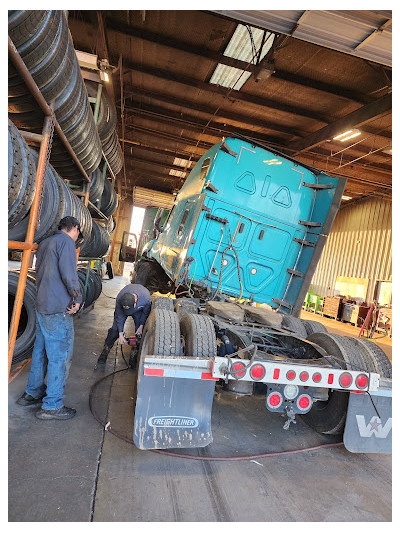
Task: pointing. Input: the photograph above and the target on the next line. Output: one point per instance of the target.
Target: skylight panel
(243, 47)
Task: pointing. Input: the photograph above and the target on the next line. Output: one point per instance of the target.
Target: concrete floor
(74, 471)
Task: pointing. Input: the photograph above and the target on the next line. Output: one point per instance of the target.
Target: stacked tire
(26, 333)
(106, 124)
(57, 199)
(44, 43)
(93, 288)
(96, 187)
(21, 177)
(109, 199)
(98, 243)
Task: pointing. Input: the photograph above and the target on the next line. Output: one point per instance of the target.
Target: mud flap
(365, 431)
(173, 412)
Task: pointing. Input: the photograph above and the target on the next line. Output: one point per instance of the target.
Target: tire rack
(28, 246)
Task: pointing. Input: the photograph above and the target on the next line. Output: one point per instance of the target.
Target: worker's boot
(104, 354)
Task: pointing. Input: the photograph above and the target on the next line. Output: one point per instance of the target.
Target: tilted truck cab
(252, 221)
(249, 225)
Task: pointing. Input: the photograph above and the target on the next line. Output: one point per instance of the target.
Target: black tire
(26, 334)
(295, 325)
(88, 299)
(198, 334)
(312, 326)
(377, 360)
(185, 306)
(21, 177)
(23, 24)
(110, 272)
(161, 336)
(328, 417)
(162, 302)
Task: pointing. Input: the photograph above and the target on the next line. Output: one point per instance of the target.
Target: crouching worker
(133, 300)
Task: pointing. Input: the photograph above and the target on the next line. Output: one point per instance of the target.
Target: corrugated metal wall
(359, 246)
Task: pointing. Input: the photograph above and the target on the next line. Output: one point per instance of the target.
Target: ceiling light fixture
(345, 136)
(347, 197)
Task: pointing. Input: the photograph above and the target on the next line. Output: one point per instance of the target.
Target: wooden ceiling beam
(184, 154)
(216, 129)
(357, 118)
(194, 106)
(206, 53)
(223, 91)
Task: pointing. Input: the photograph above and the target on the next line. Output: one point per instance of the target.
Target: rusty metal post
(26, 254)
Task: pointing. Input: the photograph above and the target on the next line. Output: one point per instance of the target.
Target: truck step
(310, 223)
(304, 242)
(318, 186)
(295, 272)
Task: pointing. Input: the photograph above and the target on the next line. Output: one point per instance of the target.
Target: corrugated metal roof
(366, 34)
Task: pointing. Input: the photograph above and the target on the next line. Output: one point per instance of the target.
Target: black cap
(127, 302)
(70, 222)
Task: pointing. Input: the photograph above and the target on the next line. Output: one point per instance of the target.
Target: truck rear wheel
(198, 336)
(161, 336)
(295, 325)
(312, 326)
(162, 302)
(329, 416)
(377, 360)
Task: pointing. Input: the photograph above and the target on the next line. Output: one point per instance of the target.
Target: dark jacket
(56, 275)
(141, 311)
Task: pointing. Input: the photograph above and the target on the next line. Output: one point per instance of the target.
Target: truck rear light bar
(281, 373)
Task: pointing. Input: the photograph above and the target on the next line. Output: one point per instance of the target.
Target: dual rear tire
(329, 417)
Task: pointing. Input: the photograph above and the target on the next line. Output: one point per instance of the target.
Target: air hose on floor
(108, 428)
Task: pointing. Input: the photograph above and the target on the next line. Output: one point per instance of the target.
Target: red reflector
(274, 400)
(361, 381)
(291, 375)
(153, 372)
(345, 379)
(303, 376)
(303, 402)
(258, 372)
(239, 366)
(317, 377)
(208, 375)
(330, 379)
(276, 373)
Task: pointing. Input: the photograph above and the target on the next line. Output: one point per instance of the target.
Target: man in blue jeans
(58, 298)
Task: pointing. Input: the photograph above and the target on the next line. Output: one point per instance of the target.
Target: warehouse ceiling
(182, 80)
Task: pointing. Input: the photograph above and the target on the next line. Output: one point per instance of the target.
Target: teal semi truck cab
(250, 223)
(249, 226)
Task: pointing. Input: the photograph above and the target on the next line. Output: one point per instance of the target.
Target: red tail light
(316, 377)
(361, 381)
(274, 400)
(291, 374)
(238, 367)
(303, 376)
(304, 402)
(345, 380)
(257, 372)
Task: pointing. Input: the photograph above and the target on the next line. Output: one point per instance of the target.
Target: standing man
(133, 300)
(58, 298)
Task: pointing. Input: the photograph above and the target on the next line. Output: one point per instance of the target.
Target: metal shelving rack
(45, 140)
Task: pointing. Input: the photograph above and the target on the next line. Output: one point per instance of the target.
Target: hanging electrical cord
(107, 427)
